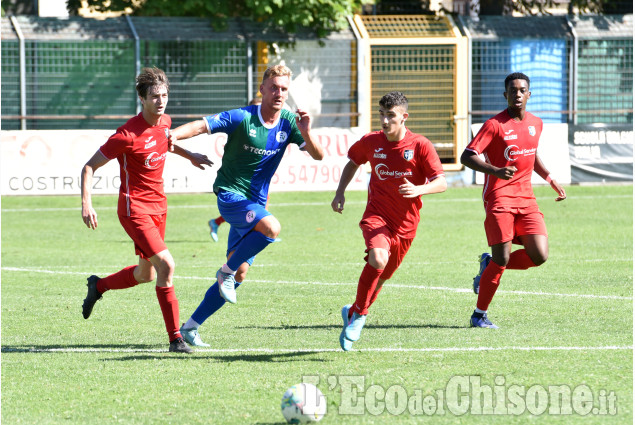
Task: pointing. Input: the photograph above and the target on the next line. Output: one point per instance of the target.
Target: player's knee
(270, 227)
(539, 258)
(378, 259)
(145, 276)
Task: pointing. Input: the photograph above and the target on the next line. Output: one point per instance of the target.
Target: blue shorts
(242, 215)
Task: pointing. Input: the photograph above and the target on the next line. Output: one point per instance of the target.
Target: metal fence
(79, 73)
(581, 69)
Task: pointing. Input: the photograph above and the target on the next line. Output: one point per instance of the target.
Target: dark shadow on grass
(291, 356)
(82, 348)
(339, 327)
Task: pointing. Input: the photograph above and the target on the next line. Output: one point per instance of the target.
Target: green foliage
(319, 16)
(114, 368)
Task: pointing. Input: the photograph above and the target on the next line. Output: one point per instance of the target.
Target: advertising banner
(49, 162)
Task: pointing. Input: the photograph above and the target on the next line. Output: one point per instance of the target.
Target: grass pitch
(563, 355)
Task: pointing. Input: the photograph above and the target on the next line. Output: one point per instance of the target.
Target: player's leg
(532, 233)
(211, 303)
(398, 249)
(499, 229)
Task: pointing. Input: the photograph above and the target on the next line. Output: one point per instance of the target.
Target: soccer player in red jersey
(509, 144)
(404, 167)
(140, 146)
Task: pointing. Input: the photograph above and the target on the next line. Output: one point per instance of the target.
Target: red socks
(170, 309)
(489, 284)
(519, 260)
(123, 279)
(220, 220)
(366, 293)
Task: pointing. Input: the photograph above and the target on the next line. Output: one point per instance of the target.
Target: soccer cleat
(226, 286)
(346, 344)
(179, 346)
(354, 329)
(92, 296)
(484, 261)
(192, 337)
(213, 230)
(480, 320)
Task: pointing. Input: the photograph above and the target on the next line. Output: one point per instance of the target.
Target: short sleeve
(225, 122)
(483, 138)
(357, 152)
(117, 144)
(431, 163)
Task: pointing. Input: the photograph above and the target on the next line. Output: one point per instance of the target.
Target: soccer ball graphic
(303, 403)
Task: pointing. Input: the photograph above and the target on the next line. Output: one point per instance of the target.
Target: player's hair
(392, 99)
(255, 101)
(151, 77)
(515, 76)
(276, 71)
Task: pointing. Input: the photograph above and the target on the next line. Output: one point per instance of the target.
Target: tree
(319, 16)
(531, 7)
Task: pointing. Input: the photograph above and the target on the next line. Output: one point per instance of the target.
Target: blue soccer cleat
(226, 286)
(480, 320)
(213, 230)
(354, 329)
(192, 337)
(484, 261)
(346, 344)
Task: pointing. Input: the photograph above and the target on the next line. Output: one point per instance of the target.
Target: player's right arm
(347, 175)
(89, 216)
(471, 160)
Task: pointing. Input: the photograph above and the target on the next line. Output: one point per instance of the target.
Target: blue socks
(210, 304)
(252, 244)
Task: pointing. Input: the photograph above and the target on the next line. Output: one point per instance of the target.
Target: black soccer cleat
(92, 296)
(179, 346)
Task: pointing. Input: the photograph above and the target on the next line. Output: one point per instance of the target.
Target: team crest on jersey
(281, 136)
(408, 154)
(251, 214)
(532, 130)
(252, 132)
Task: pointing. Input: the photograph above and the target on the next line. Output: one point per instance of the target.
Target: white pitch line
(212, 205)
(315, 350)
(393, 285)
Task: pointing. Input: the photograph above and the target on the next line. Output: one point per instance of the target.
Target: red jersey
(507, 142)
(140, 150)
(413, 158)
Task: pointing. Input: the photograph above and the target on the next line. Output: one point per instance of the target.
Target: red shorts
(147, 232)
(378, 236)
(505, 226)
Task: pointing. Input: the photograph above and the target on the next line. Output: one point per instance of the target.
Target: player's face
(156, 100)
(275, 92)
(517, 94)
(393, 122)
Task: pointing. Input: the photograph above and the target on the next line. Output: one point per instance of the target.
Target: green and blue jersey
(253, 150)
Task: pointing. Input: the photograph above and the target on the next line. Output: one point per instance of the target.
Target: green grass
(568, 322)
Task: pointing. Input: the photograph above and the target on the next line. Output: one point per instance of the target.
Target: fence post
(18, 31)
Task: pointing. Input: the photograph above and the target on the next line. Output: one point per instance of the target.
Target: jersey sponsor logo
(380, 155)
(251, 215)
(149, 142)
(509, 131)
(384, 173)
(512, 152)
(154, 159)
(511, 137)
(532, 130)
(281, 136)
(258, 151)
(408, 154)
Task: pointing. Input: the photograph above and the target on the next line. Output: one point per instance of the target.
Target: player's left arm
(311, 142)
(197, 159)
(410, 190)
(541, 170)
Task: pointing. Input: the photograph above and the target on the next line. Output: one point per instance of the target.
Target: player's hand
(338, 203)
(506, 173)
(171, 141)
(559, 190)
(408, 190)
(199, 160)
(89, 216)
(302, 120)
